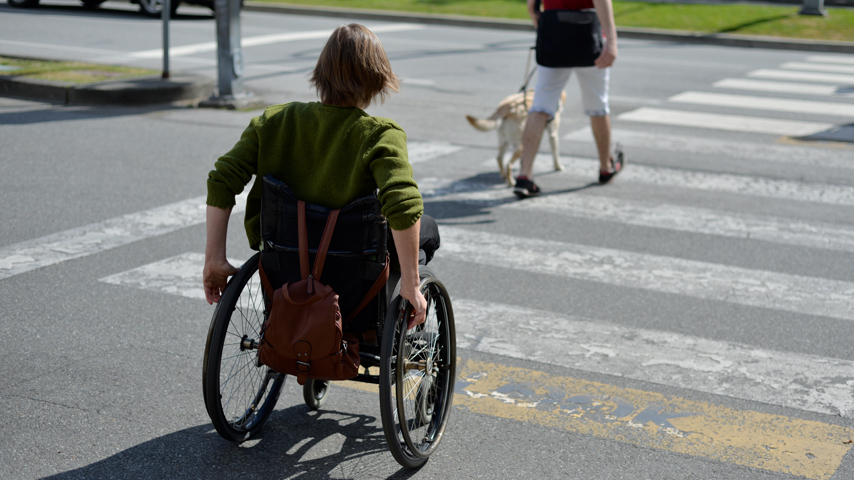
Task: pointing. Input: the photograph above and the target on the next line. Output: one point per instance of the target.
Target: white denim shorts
(551, 81)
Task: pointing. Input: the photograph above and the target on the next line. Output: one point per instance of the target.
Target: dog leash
(527, 78)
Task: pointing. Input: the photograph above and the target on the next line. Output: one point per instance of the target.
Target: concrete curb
(134, 91)
(723, 39)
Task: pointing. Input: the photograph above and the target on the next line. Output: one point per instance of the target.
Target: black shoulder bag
(568, 38)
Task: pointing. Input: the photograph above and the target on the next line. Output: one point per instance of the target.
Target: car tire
(92, 3)
(151, 8)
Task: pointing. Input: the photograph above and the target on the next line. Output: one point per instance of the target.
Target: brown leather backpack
(302, 335)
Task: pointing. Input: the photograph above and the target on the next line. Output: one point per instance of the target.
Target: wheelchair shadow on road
(294, 443)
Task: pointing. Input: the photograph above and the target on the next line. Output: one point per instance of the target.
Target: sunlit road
(691, 320)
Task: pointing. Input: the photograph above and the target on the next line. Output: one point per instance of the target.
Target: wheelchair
(416, 367)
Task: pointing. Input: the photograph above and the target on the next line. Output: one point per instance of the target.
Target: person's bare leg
(531, 141)
(601, 127)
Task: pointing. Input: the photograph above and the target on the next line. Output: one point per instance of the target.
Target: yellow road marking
(770, 442)
(742, 437)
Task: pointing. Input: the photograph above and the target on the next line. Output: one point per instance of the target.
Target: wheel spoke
(239, 394)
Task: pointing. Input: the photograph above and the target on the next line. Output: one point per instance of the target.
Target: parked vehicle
(150, 8)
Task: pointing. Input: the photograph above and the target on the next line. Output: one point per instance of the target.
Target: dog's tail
(484, 125)
(491, 123)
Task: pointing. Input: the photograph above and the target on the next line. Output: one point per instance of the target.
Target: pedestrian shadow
(444, 209)
(498, 194)
(294, 443)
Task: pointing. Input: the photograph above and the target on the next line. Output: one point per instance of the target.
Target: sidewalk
(191, 88)
(133, 91)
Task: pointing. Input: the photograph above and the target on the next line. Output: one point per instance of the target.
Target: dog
(510, 119)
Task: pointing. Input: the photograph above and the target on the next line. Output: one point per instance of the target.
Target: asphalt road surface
(692, 320)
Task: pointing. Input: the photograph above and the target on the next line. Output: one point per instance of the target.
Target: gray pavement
(712, 278)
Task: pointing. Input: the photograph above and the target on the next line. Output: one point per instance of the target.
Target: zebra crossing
(805, 78)
(806, 382)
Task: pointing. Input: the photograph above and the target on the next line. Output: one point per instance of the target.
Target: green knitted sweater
(327, 155)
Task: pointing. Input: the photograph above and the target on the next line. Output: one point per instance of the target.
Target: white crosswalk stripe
(818, 67)
(98, 237)
(263, 40)
(792, 74)
(692, 145)
(673, 217)
(764, 289)
(799, 381)
(782, 87)
(830, 59)
(735, 123)
(805, 76)
(765, 103)
(425, 151)
(753, 186)
(179, 275)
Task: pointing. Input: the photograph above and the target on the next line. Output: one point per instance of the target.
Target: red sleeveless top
(567, 4)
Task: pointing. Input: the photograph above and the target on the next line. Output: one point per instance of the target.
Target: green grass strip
(743, 19)
(68, 72)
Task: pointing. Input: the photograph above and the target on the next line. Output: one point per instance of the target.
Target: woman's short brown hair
(353, 68)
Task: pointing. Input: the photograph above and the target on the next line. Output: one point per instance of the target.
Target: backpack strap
(265, 282)
(375, 289)
(302, 234)
(320, 259)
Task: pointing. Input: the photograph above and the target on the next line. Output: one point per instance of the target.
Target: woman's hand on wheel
(215, 278)
(217, 269)
(419, 306)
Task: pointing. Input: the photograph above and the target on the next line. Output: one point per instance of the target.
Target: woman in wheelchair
(330, 155)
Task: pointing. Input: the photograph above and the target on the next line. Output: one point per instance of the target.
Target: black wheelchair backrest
(357, 251)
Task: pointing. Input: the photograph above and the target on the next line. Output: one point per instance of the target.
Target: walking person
(594, 94)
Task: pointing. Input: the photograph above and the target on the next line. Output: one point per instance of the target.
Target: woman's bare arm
(217, 269)
(407, 243)
(605, 12)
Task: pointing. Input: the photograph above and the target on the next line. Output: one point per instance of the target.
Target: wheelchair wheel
(314, 393)
(417, 375)
(239, 393)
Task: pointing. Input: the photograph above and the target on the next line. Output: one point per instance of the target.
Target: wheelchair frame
(416, 378)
